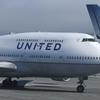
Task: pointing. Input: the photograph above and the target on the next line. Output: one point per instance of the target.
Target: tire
(80, 88)
(6, 83)
(14, 83)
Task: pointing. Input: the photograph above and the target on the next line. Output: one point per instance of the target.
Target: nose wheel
(80, 88)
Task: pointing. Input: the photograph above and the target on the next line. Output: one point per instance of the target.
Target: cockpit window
(88, 40)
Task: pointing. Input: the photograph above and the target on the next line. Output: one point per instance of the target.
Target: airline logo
(38, 46)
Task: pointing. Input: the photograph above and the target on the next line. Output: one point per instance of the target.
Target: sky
(45, 16)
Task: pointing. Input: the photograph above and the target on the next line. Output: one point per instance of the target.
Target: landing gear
(80, 88)
(8, 83)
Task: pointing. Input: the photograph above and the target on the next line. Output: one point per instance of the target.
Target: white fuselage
(50, 54)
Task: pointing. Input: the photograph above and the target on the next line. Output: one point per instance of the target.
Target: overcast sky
(45, 15)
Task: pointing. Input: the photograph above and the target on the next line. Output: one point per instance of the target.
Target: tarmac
(47, 89)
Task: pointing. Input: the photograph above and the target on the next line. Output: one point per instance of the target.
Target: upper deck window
(88, 40)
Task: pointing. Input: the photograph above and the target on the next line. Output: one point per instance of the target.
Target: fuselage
(43, 54)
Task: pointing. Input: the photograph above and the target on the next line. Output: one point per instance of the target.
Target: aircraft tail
(94, 12)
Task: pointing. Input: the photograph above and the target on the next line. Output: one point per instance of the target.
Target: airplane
(58, 56)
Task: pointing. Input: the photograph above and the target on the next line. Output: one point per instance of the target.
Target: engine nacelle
(61, 79)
